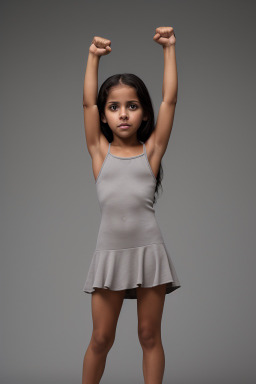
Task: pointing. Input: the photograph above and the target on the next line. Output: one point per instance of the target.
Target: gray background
(50, 213)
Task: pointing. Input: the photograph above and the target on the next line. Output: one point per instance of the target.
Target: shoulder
(150, 147)
(154, 155)
(99, 148)
(98, 153)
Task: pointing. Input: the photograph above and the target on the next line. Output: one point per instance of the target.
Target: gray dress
(130, 250)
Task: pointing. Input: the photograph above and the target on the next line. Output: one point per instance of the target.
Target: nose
(123, 113)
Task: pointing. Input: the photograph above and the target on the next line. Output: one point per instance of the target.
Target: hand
(165, 36)
(100, 46)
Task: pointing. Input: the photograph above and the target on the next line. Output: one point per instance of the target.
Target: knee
(101, 341)
(148, 337)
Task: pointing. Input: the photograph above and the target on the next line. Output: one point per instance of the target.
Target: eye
(131, 105)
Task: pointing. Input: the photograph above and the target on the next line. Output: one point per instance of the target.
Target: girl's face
(123, 107)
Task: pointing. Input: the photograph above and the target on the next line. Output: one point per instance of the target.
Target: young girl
(130, 260)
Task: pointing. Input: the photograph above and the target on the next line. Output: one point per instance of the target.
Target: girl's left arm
(165, 36)
(170, 81)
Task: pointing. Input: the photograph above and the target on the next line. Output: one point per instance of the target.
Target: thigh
(150, 304)
(106, 307)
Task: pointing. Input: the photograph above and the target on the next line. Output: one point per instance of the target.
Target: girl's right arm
(98, 48)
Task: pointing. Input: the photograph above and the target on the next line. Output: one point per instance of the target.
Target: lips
(124, 125)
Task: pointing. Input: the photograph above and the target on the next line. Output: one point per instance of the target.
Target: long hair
(146, 127)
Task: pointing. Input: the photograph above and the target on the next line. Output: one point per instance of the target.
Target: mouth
(123, 126)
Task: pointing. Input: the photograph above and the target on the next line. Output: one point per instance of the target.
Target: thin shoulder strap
(109, 147)
(144, 149)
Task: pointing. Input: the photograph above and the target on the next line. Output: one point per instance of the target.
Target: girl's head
(130, 103)
(124, 98)
(123, 107)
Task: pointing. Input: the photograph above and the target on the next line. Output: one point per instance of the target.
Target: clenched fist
(100, 46)
(165, 36)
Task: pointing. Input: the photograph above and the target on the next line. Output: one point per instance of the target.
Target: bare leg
(106, 307)
(95, 360)
(150, 303)
(153, 363)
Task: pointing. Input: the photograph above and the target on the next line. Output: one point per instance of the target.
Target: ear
(145, 118)
(103, 118)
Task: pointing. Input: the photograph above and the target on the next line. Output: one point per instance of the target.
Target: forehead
(122, 93)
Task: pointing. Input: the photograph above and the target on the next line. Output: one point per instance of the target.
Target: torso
(98, 159)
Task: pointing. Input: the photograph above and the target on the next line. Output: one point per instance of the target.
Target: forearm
(170, 81)
(91, 80)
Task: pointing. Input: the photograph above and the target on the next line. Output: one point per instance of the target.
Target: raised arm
(170, 80)
(98, 48)
(91, 80)
(165, 36)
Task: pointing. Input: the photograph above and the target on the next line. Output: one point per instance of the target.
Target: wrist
(171, 46)
(93, 56)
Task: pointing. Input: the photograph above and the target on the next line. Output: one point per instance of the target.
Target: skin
(150, 304)
(123, 106)
(150, 301)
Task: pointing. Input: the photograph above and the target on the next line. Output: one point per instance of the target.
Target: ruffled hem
(130, 268)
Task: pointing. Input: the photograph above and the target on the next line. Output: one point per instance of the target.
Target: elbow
(171, 99)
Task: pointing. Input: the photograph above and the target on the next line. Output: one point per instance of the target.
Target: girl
(130, 260)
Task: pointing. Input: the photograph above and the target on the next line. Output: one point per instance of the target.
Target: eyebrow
(130, 101)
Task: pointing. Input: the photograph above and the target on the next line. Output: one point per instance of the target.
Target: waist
(127, 230)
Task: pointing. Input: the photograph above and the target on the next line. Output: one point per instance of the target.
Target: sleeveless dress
(130, 250)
